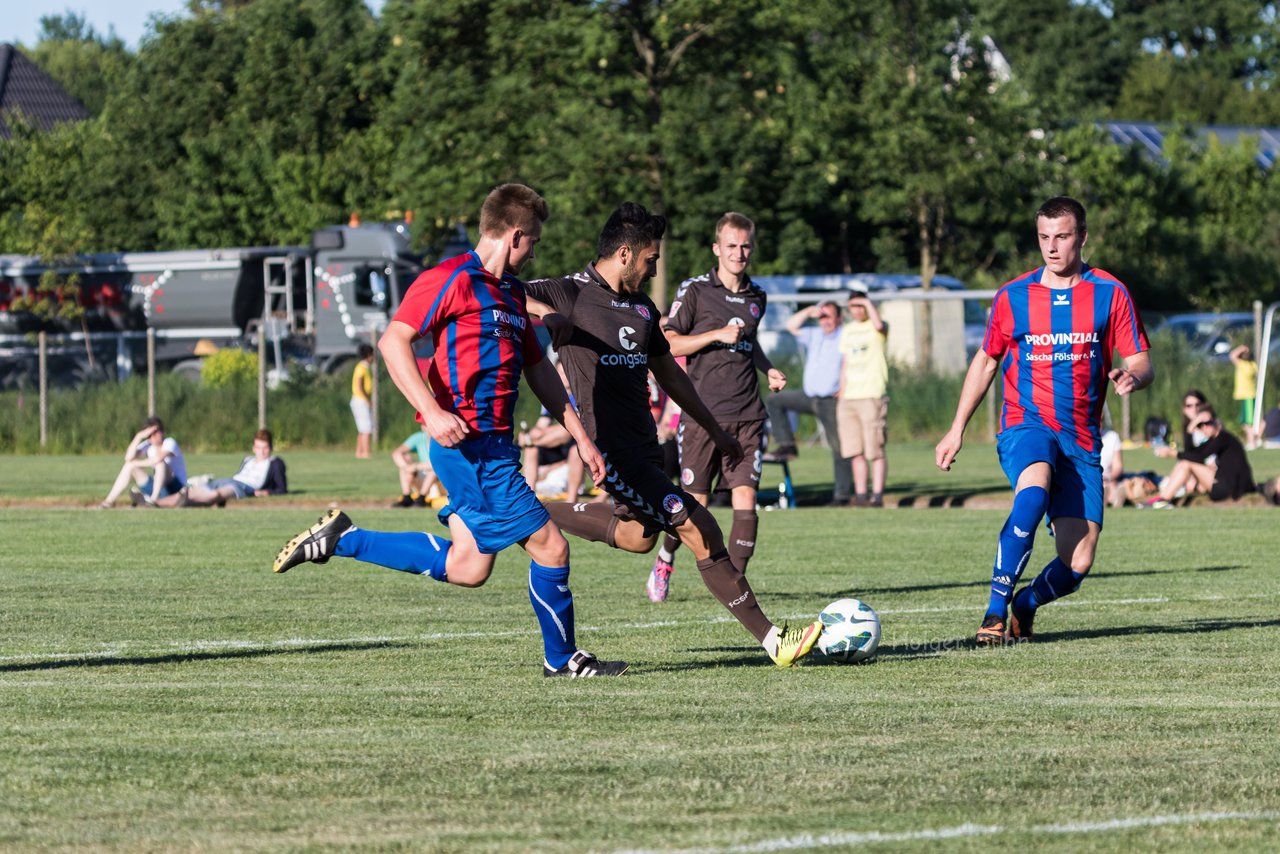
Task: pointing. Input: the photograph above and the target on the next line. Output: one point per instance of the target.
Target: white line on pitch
(125, 648)
(833, 840)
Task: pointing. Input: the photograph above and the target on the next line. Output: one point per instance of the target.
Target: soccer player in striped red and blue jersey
(1052, 333)
(473, 309)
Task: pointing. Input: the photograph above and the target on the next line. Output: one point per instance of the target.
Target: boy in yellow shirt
(1245, 388)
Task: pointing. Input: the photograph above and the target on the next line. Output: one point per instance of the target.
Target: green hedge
(311, 411)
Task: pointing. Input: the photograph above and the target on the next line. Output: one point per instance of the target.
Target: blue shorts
(1076, 488)
(243, 490)
(488, 491)
(172, 486)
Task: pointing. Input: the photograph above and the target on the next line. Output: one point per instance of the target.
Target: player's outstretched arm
(982, 370)
(676, 383)
(546, 386)
(1137, 373)
(396, 347)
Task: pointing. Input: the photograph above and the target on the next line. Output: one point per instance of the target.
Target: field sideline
(163, 690)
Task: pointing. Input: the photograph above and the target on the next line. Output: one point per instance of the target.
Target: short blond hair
(512, 206)
(735, 220)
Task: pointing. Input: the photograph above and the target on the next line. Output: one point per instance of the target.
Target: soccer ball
(850, 631)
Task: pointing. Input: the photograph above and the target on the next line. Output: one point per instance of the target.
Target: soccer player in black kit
(713, 323)
(607, 334)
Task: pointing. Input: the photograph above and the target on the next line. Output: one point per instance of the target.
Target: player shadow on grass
(866, 593)
(90, 659)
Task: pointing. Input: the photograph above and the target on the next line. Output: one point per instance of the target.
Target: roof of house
(25, 89)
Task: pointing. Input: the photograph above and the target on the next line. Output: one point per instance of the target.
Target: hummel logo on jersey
(314, 549)
(580, 508)
(1061, 299)
(625, 342)
(1022, 535)
(734, 299)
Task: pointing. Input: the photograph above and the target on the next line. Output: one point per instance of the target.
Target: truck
(315, 303)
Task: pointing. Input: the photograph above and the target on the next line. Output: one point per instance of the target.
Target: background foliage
(859, 136)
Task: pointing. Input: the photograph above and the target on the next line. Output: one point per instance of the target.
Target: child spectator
(1246, 386)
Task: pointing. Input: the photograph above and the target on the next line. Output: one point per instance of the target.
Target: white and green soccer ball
(850, 631)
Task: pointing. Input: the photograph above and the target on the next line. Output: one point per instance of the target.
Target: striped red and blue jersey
(1055, 346)
(482, 336)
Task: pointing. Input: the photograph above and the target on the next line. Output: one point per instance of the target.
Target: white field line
(120, 649)
(841, 840)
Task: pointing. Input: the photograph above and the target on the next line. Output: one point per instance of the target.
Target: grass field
(163, 690)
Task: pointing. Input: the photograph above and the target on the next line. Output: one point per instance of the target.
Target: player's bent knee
(630, 537)
(548, 547)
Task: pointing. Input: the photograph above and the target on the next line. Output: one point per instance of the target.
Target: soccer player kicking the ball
(713, 321)
(473, 308)
(1052, 332)
(608, 338)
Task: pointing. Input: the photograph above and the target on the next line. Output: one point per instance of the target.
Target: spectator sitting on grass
(417, 478)
(261, 473)
(149, 449)
(1219, 465)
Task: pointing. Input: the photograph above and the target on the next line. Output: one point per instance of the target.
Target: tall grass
(311, 411)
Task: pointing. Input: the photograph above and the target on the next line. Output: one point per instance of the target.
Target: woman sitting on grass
(1217, 466)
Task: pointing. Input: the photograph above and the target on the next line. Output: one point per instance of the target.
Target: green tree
(85, 64)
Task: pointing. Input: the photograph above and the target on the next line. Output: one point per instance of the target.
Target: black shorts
(553, 455)
(701, 461)
(642, 493)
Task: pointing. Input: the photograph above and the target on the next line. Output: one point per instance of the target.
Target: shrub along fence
(311, 411)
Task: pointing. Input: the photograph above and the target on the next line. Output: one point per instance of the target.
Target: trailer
(316, 303)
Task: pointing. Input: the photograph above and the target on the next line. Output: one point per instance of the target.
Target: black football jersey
(607, 355)
(723, 374)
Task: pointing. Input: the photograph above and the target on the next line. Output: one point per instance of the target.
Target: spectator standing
(362, 400)
(1246, 387)
(150, 449)
(862, 408)
(817, 395)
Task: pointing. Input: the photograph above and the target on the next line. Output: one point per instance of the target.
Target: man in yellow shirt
(862, 406)
(1246, 386)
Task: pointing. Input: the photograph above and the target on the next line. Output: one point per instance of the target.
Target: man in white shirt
(817, 396)
(150, 450)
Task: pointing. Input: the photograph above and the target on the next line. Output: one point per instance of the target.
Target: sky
(20, 20)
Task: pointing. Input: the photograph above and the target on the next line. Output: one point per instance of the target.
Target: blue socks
(1016, 539)
(1055, 581)
(553, 604)
(419, 553)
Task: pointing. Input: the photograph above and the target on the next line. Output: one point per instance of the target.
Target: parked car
(1211, 335)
